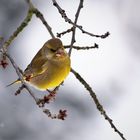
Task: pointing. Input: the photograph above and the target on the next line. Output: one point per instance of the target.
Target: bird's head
(55, 49)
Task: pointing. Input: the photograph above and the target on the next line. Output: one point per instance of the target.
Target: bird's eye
(52, 50)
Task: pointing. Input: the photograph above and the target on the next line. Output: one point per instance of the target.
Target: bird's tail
(15, 82)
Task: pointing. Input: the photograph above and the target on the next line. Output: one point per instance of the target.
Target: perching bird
(49, 67)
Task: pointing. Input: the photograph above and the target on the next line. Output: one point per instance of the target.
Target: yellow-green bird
(49, 67)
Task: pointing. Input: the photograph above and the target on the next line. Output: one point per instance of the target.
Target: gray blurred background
(113, 71)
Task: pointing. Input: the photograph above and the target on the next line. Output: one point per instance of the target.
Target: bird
(49, 67)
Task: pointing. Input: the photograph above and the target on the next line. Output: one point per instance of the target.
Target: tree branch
(82, 48)
(63, 14)
(74, 28)
(41, 17)
(96, 101)
(18, 71)
(64, 32)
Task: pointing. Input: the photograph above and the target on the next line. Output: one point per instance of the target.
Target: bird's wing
(38, 64)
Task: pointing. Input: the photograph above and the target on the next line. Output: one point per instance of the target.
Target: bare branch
(96, 101)
(17, 69)
(74, 28)
(64, 32)
(41, 17)
(83, 48)
(63, 14)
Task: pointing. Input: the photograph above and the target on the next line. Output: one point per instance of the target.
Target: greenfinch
(49, 67)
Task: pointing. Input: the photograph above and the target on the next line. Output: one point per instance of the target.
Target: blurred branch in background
(41, 102)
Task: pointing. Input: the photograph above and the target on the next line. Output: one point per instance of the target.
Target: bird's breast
(53, 76)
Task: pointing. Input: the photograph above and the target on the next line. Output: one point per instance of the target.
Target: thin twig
(41, 17)
(64, 32)
(17, 69)
(63, 14)
(96, 101)
(83, 48)
(74, 28)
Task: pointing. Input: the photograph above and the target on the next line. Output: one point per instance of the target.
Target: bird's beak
(60, 52)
